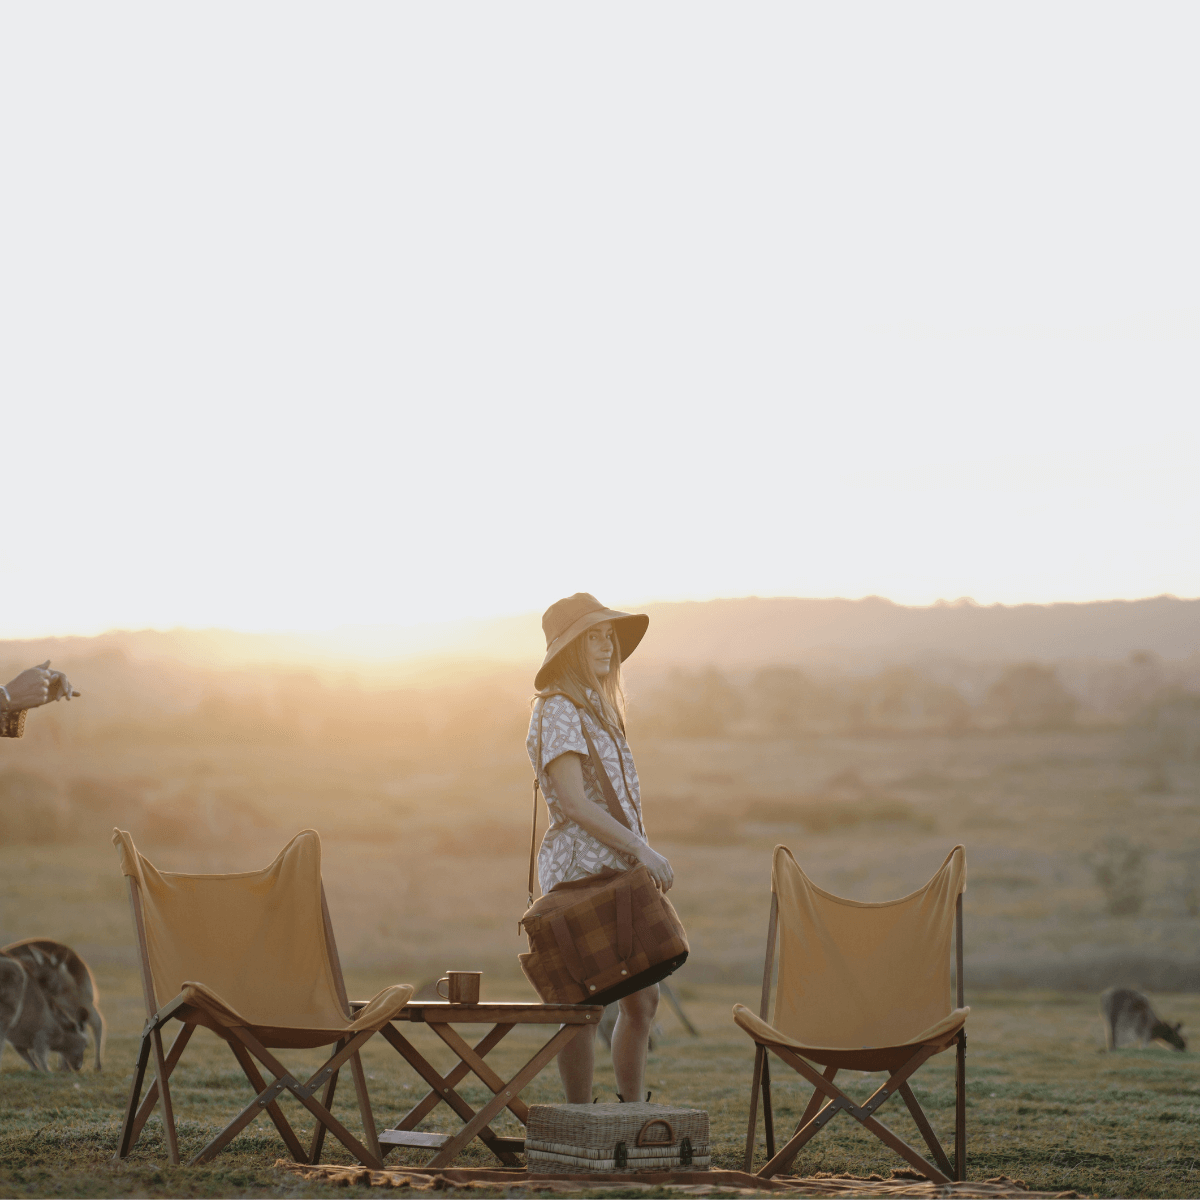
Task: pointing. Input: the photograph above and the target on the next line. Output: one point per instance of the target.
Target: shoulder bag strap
(537, 770)
(537, 787)
(610, 797)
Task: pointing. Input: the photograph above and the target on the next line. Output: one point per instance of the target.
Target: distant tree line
(790, 702)
(466, 712)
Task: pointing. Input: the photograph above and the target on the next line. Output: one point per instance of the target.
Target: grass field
(1045, 1104)
(421, 863)
(424, 866)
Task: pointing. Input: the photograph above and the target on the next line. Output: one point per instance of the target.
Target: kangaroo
(38, 1025)
(13, 982)
(65, 978)
(1129, 1020)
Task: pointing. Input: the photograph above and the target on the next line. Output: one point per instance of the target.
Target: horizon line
(961, 602)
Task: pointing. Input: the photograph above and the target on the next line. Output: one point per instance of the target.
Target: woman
(579, 687)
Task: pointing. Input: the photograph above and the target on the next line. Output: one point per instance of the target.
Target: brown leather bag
(594, 940)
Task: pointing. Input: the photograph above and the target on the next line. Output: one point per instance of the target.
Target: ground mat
(685, 1183)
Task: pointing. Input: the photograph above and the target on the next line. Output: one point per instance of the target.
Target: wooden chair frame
(828, 1100)
(441, 1017)
(246, 1048)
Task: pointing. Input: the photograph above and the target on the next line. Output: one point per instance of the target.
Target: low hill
(730, 634)
(875, 632)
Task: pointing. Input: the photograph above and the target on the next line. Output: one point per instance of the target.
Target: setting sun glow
(376, 316)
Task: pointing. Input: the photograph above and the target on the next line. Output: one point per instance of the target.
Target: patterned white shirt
(568, 851)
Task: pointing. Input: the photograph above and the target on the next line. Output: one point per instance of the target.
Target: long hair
(573, 676)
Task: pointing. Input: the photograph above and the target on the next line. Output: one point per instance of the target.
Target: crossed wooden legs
(506, 1094)
(135, 1118)
(828, 1100)
(246, 1047)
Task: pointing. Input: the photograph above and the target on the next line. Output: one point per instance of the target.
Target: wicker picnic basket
(594, 1139)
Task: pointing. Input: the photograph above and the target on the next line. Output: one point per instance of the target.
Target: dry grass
(1045, 1104)
(1032, 809)
(424, 867)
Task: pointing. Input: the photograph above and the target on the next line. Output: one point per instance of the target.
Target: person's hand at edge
(60, 686)
(35, 687)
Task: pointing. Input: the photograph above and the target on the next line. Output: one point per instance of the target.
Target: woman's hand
(566, 774)
(659, 868)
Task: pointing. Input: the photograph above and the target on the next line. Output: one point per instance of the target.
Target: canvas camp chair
(862, 987)
(252, 958)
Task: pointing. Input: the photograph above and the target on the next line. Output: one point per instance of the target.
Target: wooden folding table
(441, 1017)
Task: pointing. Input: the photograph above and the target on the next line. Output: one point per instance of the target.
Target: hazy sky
(313, 315)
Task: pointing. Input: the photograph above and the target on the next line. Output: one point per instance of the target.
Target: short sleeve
(562, 731)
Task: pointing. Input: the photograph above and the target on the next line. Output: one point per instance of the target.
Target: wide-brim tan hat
(566, 619)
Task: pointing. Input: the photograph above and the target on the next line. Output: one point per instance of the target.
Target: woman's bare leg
(631, 1040)
(576, 1062)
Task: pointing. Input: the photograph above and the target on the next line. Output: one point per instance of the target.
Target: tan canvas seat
(865, 987)
(252, 957)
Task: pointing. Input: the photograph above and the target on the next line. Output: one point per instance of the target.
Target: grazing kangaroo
(1130, 1020)
(13, 982)
(66, 980)
(33, 1024)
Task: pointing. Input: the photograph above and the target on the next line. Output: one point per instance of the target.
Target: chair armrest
(165, 1013)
